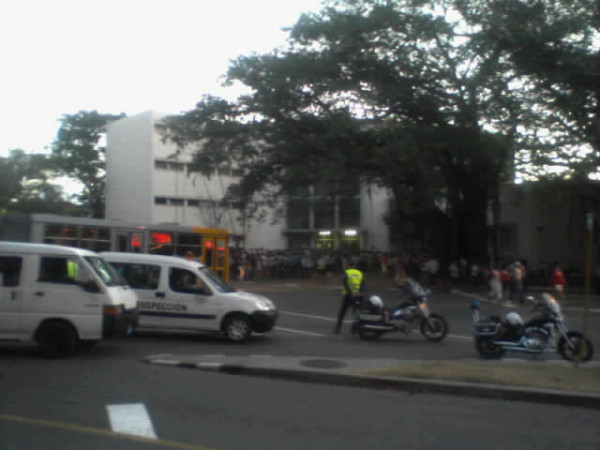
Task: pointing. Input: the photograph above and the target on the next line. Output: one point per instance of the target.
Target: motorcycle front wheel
(437, 330)
(487, 348)
(573, 353)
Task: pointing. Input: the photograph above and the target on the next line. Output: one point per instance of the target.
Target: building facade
(150, 181)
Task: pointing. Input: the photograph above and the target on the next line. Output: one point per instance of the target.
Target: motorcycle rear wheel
(573, 354)
(438, 329)
(487, 348)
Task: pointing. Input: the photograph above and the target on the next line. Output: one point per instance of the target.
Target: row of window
(147, 276)
(177, 166)
(53, 269)
(175, 201)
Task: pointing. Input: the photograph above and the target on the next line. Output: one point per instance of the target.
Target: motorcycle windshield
(552, 304)
(415, 288)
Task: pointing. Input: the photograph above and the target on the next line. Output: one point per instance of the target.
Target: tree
(554, 50)
(399, 94)
(26, 185)
(78, 153)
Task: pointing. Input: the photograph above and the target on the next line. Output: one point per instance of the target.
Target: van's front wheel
(57, 340)
(237, 328)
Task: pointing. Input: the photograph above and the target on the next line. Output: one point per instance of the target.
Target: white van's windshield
(215, 281)
(105, 271)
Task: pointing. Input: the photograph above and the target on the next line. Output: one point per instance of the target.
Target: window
(324, 214)
(95, 238)
(104, 270)
(298, 214)
(58, 270)
(139, 276)
(161, 165)
(161, 243)
(193, 203)
(349, 212)
(61, 235)
(176, 201)
(189, 242)
(185, 281)
(10, 270)
(160, 200)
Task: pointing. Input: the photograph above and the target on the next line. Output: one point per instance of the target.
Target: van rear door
(10, 296)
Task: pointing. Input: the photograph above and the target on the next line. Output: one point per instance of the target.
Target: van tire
(237, 327)
(57, 340)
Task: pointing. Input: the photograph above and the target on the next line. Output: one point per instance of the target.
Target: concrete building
(149, 181)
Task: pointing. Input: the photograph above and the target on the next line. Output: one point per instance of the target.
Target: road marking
(70, 427)
(131, 419)
(573, 308)
(308, 333)
(329, 319)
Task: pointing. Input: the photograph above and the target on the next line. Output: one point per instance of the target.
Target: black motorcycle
(494, 336)
(374, 321)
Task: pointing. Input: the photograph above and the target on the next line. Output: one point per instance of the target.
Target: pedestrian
(558, 281)
(453, 274)
(505, 279)
(495, 284)
(353, 284)
(516, 282)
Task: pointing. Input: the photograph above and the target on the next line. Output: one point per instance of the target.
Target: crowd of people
(506, 280)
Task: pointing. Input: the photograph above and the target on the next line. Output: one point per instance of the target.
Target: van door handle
(160, 294)
(39, 294)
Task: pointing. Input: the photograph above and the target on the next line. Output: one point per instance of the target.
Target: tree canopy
(78, 153)
(428, 99)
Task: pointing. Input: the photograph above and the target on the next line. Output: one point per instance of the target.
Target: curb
(409, 385)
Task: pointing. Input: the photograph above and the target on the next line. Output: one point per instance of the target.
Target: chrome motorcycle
(374, 321)
(546, 330)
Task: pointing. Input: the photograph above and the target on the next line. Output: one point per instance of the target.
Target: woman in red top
(557, 279)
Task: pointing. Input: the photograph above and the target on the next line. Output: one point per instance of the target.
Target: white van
(61, 297)
(177, 294)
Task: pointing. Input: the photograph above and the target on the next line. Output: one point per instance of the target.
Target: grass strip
(530, 375)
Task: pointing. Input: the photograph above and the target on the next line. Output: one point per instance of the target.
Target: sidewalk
(367, 373)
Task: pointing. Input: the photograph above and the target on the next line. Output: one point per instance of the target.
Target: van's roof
(47, 249)
(148, 258)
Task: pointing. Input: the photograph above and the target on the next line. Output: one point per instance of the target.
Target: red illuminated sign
(209, 245)
(161, 238)
(136, 240)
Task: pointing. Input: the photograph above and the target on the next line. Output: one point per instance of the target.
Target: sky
(123, 56)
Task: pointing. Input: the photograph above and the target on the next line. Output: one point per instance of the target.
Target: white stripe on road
(131, 419)
(308, 315)
(454, 336)
(289, 330)
(573, 308)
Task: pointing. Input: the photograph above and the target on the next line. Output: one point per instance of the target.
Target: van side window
(10, 269)
(139, 276)
(182, 280)
(56, 270)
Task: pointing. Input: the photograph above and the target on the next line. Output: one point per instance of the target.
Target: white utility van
(61, 297)
(177, 294)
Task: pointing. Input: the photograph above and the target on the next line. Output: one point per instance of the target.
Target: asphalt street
(81, 402)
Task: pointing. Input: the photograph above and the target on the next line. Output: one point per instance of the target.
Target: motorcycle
(374, 321)
(494, 336)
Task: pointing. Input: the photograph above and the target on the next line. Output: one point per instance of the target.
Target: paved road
(65, 404)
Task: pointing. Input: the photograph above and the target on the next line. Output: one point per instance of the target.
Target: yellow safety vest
(355, 278)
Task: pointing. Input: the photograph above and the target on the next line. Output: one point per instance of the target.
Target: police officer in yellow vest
(353, 285)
